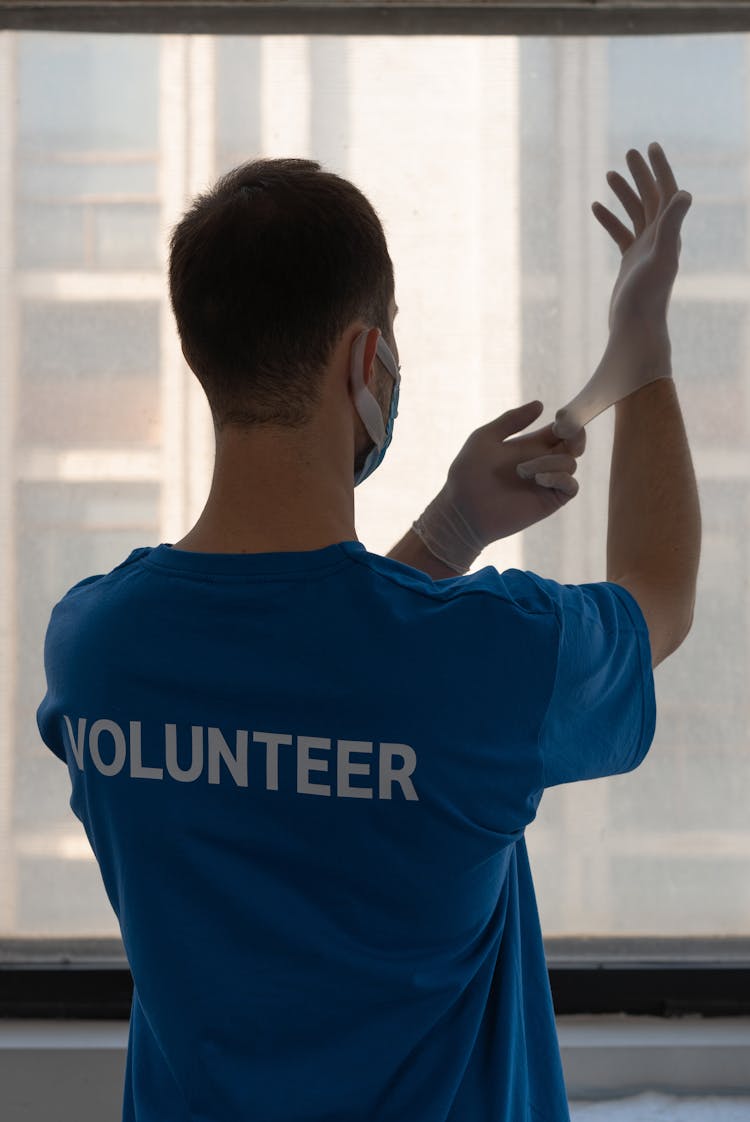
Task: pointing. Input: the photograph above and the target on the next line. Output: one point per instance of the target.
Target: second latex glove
(638, 351)
(614, 378)
(497, 487)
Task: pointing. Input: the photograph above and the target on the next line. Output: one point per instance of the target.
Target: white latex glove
(638, 351)
(496, 486)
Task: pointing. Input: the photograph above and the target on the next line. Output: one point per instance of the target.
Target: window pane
(690, 93)
(482, 156)
(126, 236)
(89, 373)
(73, 174)
(87, 235)
(80, 92)
(59, 890)
(86, 151)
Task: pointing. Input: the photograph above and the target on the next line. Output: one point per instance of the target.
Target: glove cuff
(448, 535)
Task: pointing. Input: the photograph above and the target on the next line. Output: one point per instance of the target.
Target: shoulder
(524, 592)
(571, 607)
(95, 581)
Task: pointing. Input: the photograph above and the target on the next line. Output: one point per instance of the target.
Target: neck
(276, 490)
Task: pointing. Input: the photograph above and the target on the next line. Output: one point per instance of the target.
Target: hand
(650, 254)
(485, 498)
(638, 350)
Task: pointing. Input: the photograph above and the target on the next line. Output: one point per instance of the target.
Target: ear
(370, 346)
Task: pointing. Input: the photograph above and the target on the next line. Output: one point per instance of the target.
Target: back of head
(267, 269)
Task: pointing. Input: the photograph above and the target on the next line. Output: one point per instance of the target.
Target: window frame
(392, 17)
(74, 978)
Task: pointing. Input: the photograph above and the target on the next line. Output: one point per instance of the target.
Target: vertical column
(329, 100)
(9, 652)
(596, 283)
(237, 62)
(417, 149)
(197, 454)
(583, 288)
(499, 238)
(173, 156)
(285, 96)
(573, 215)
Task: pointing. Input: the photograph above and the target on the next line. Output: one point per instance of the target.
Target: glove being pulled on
(638, 351)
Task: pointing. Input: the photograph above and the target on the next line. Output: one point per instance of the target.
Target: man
(306, 770)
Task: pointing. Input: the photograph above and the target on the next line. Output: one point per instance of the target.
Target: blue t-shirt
(306, 779)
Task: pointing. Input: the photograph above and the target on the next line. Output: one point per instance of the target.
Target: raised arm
(654, 526)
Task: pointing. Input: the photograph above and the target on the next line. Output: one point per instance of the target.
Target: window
(482, 154)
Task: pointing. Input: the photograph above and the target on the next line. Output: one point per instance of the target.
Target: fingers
(558, 481)
(657, 190)
(576, 444)
(566, 427)
(629, 199)
(559, 462)
(516, 419)
(619, 233)
(555, 471)
(645, 183)
(666, 182)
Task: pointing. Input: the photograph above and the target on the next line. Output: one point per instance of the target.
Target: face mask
(366, 403)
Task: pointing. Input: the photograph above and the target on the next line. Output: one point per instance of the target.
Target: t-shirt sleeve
(601, 715)
(56, 657)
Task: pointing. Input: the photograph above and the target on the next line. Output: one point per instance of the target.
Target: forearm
(411, 550)
(654, 526)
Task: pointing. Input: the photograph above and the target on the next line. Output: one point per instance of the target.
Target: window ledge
(603, 1056)
(621, 1054)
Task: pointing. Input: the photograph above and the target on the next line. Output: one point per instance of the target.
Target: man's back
(317, 858)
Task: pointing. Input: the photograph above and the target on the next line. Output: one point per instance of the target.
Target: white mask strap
(367, 405)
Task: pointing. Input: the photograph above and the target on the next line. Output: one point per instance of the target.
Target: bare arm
(654, 526)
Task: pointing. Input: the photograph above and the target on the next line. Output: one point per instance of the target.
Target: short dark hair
(267, 269)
